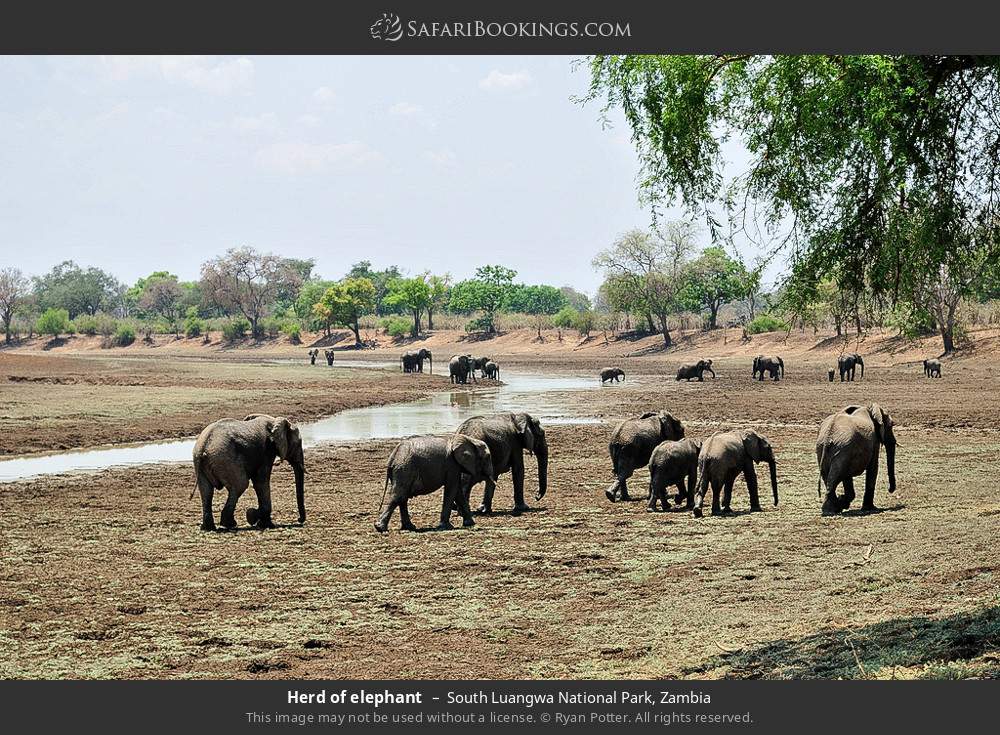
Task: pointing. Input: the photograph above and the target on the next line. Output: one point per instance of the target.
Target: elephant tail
(819, 480)
(614, 450)
(388, 477)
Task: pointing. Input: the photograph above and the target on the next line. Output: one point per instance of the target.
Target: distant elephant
(422, 464)
(612, 374)
(632, 443)
(479, 363)
(492, 370)
(932, 368)
(671, 463)
(724, 456)
(509, 436)
(329, 356)
(774, 366)
(848, 444)
(312, 356)
(460, 367)
(848, 363)
(830, 373)
(413, 362)
(231, 454)
(695, 370)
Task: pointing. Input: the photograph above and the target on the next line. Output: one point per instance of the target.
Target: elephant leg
(871, 478)
(716, 488)
(207, 491)
(699, 497)
(486, 507)
(451, 490)
(228, 517)
(750, 475)
(463, 500)
(831, 505)
(848, 498)
(262, 519)
(727, 493)
(404, 516)
(654, 492)
(691, 482)
(382, 524)
(517, 477)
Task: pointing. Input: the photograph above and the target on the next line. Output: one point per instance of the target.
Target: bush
(235, 329)
(269, 327)
(583, 322)
(479, 324)
(193, 326)
(395, 326)
(53, 322)
(766, 323)
(124, 335)
(565, 318)
(86, 324)
(293, 331)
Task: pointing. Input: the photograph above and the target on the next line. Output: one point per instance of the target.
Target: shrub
(583, 322)
(124, 335)
(235, 329)
(293, 332)
(193, 326)
(395, 326)
(565, 317)
(86, 324)
(766, 323)
(53, 322)
(479, 324)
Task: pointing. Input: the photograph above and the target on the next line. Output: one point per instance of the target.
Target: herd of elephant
(460, 367)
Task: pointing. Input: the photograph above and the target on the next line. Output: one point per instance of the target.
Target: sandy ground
(107, 575)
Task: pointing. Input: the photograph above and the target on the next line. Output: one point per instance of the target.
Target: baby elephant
(723, 458)
(671, 464)
(492, 370)
(932, 368)
(422, 464)
(612, 374)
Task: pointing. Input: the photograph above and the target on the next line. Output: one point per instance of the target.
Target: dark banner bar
(515, 27)
(456, 706)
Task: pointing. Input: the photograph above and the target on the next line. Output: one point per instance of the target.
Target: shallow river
(548, 397)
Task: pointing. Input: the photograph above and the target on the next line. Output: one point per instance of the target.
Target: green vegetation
(54, 322)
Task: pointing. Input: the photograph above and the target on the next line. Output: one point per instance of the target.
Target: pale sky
(136, 164)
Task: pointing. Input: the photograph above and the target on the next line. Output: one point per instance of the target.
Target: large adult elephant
(231, 454)
(632, 443)
(422, 464)
(723, 457)
(479, 363)
(773, 365)
(460, 367)
(848, 444)
(695, 370)
(932, 368)
(509, 436)
(848, 363)
(413, 362)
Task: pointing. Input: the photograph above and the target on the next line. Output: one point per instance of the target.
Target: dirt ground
(108, 576)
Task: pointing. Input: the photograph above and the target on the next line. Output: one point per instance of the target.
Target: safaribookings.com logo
(390, 28)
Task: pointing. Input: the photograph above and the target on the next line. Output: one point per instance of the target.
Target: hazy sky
(136, 164)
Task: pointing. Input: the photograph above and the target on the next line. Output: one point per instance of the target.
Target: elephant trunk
(773, 467)
(300, 490)
(862, 364)
(542, 454)
(890, 460)
(431, 361)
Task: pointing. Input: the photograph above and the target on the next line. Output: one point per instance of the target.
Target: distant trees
(346, 302)
(53, 322)
(162, 295)
(711, 280)
(411, 294)
(538, 301)
(440, 294)
(77, 290)
(487, 292)
(14, 288)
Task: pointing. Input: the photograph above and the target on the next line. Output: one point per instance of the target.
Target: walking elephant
(509, 436)
(231, 454)
(723, 457)
(673, 463)
(413, 362)
(848, 444)
(695, 370)
(848, 363)
(612, 374)
(774, 366)
(329, 354)
(632, 443)
(422, 464)
(460, 367)
(932, 368)
(492, 370)
(313, 354)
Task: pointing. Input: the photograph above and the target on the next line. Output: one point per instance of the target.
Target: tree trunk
(713, 316)
(416, 323)
(667, 341)
(430, 318)
(838, 322)
(356, 328)
(649, 320)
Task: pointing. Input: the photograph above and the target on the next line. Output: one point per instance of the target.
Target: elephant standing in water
(460, 367)
(632, 443)
(612, 374)
(509, 436)
(932, 368)
(774, 366)
(724, 456)
(492, 371)
(848, 445)
(695, 370)
(422, 464)
(848, 363)
(413, 362)
(479, 363)
(671, 464)
(231, 454)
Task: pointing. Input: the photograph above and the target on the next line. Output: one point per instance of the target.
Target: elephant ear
(281, 436)
(880, 418)
(252, 416)
(670, 427)
(523, 423)
(753, 443)
(649, 414)
(463, 451)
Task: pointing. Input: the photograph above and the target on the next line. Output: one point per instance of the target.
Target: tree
(53, 322)
(309, 295)
(78, 291)
(413, 294)
(440, 293)
(713, 279)
(247, 282)
(162, 295)
(650, 267)
(564, 319)
(843, 151)
(14, 287)
(346, 302)
(538, 301)
(381, 280)
(579, 301)
(487, 292)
